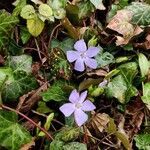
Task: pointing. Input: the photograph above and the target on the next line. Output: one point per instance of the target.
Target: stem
(27, 118)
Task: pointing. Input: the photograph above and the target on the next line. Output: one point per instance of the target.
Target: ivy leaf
(35, 26)
(146, 94)
(141, 13)
(21, 84)
(143, 141)
(21, 63)
(55, 92)
(104, 59)
(45, 10)
(144, 65)
(75, 146)
(121, 86)
(7, 24)
(85, 8)
(16, 134)
(28, 12)
(68, 134)
(98, 4)
(117, 88)
(56, 145)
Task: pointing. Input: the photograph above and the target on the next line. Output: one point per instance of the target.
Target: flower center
(78, 105)
(83, 55)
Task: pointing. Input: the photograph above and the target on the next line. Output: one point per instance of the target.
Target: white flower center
(78, 105)
(83, 55)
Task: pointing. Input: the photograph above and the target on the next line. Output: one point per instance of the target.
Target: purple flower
(83, 56)
(77, 105)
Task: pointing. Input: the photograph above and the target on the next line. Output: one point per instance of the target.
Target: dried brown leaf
(28, 145)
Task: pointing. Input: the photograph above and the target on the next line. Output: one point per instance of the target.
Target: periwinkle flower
(78, 104)
(83, 56)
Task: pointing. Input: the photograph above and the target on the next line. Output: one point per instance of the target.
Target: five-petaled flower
(78, 104)
(83, 56)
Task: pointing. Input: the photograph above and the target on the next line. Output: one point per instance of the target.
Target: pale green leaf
(146, 94)
(7, 24)
(124, 139)
(35, 26)
(75, 146)
(144, 65)
(45, 10)
(12, 135)
(19, 5)
(143, 141)
(59, 13)
(28, 12)
(56, 145)
(98, 4)
(20, 63)
(141, 13)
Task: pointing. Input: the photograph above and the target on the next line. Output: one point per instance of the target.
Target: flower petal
(80, 46)
(79, 65)
(92, 51)
(82, 97)
(91, 63)
(74, 96)
(80, 117)
(72, 56)
(88, 106)
(67, 109)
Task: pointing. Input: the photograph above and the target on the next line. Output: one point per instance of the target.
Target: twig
(27, 118)
(52, 33)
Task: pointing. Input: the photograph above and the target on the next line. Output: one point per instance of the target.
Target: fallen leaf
(99, 122)
(28, 145)
(121, 24)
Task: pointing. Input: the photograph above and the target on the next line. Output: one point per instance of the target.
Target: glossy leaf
(12, 135)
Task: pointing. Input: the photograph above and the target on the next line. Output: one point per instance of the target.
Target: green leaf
(45, 10)
(146, 94)
(55, 92)
(28, 12)
(35, 26)
(98, 4)
(104, 59)
(25, 35)
(65, 45)
(20, 63)
(12, 135)
(20, 4)
(144, 65)
(68, 134)
(56, 145)
(143, 141)
(16, 84)
(59, 65)
(117, 88)
(85, 8)
(111, 126)
(141, 13)
(75, 146)
(7, 24)
(59, 13)
(121, 86)
(42, 108)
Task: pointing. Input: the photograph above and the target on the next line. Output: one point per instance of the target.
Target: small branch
(27, 118)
